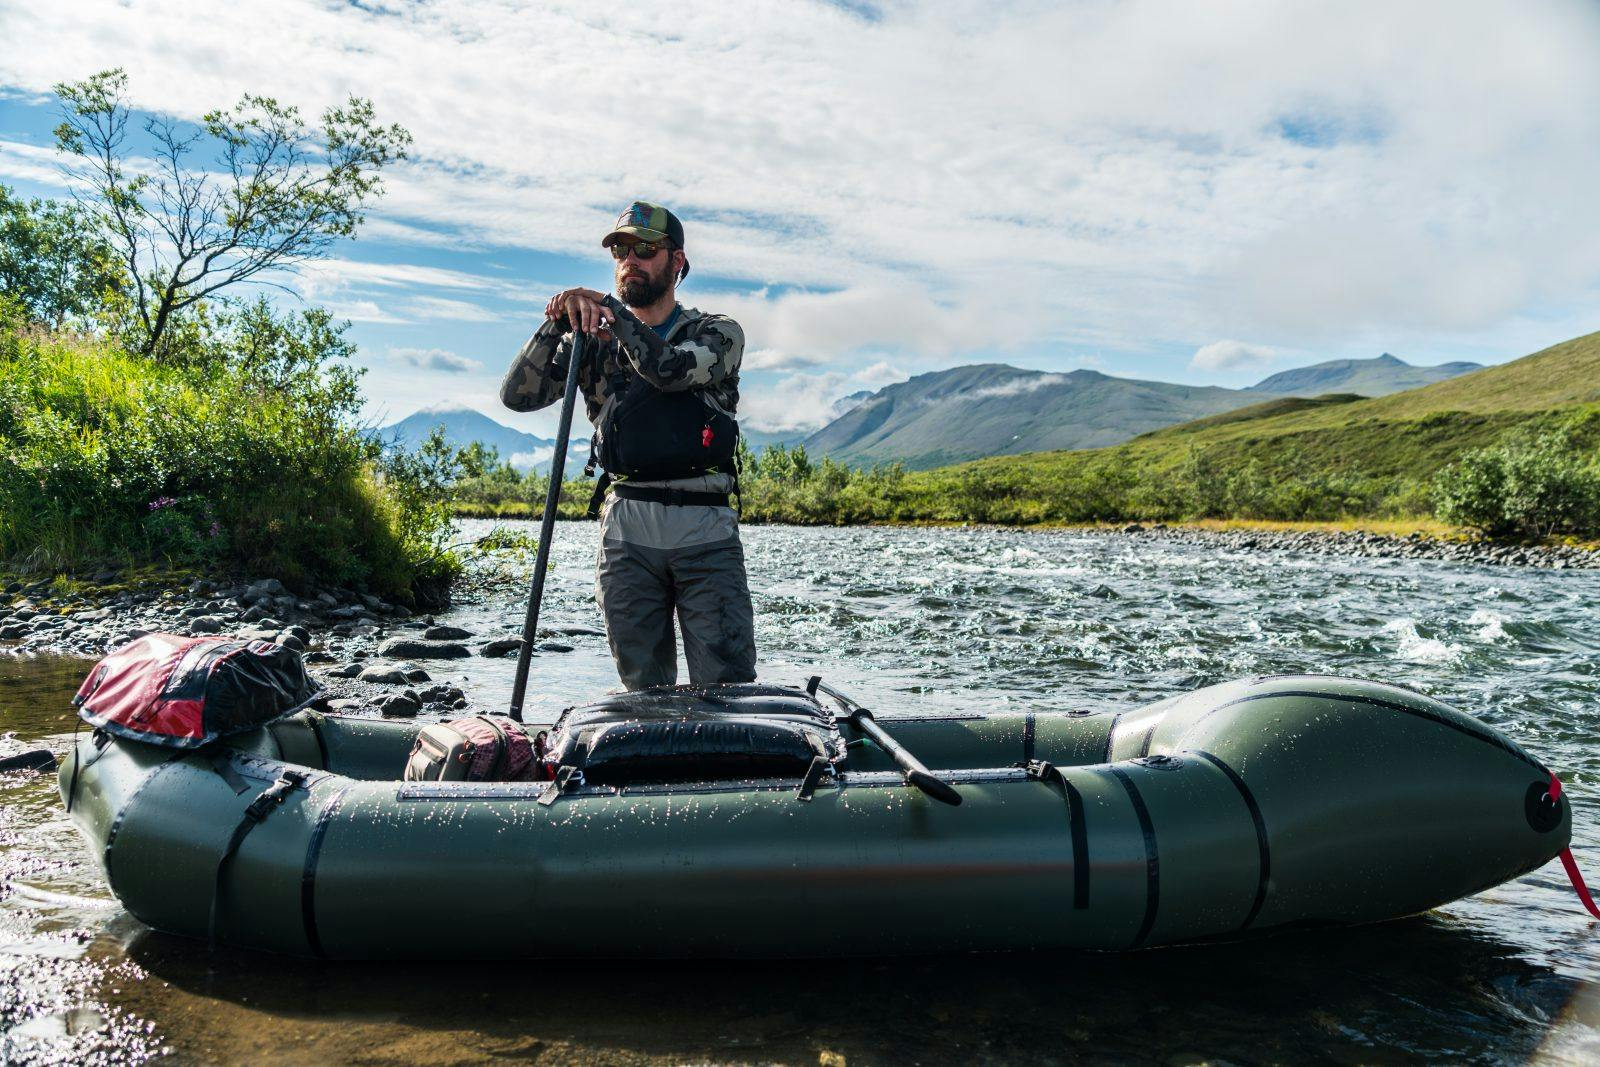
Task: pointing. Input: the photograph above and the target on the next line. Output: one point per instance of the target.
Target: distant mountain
(992, 409)
(854, 400)
(463, 426)
(761, 440)
(1380, 376)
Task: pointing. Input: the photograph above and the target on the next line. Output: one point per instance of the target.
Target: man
(661, 385)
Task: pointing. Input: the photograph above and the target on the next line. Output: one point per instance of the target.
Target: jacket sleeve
(534, 381)
(707, 357)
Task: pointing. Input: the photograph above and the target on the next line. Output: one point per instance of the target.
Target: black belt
(675, 497)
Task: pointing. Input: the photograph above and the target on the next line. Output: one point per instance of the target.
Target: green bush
(1528, 487)
(245, 453)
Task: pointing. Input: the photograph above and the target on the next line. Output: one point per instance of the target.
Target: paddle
(916, 774)
(547, 527)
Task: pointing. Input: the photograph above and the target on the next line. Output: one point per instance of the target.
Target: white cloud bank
(1232, 355)
(958, 176)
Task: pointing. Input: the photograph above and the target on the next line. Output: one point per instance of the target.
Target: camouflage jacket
(700, 352)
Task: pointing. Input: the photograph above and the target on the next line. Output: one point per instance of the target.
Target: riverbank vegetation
(148, 415)
(1507, 452)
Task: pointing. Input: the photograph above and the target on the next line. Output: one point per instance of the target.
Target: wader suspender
(254, 814)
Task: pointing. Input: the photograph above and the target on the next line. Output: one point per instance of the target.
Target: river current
(908, 619)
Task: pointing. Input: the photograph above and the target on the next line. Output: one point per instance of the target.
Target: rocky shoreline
(1371, 545)
(371, 655)
(368, 653)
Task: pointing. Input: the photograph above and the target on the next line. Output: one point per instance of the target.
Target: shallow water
(1053, 621)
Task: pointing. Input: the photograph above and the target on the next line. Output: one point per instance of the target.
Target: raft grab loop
(1576, 876)
(254, 814)
(915, 773)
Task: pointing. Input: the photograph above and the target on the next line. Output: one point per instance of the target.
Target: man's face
(641, 282)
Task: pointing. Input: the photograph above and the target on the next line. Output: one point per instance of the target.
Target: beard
(642, 292)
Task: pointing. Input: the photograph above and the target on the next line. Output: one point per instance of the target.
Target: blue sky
(1196, 193)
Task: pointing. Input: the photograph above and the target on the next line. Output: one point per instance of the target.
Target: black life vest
(651, 435)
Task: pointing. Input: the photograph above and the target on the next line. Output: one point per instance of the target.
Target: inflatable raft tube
(1233, 811)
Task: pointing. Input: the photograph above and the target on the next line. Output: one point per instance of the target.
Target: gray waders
(641, 588)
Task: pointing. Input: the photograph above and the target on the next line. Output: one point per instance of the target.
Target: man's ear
(678, 260)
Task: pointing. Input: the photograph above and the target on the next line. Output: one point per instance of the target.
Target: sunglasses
(645, 250)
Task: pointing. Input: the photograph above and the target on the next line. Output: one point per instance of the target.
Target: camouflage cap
(647, 222)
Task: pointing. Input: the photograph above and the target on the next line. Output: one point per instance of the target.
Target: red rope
(1571, 864)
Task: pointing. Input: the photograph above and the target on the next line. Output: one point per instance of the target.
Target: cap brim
(641, 232)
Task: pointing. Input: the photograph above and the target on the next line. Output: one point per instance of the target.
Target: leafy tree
(53, 262)
(1528, 486)
(183, 232)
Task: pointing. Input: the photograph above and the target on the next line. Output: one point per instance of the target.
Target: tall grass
(106, 456)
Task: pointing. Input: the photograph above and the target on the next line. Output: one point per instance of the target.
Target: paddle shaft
(547, 527)
(916, 773)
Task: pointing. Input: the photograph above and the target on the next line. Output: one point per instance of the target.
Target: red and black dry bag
(184, 692)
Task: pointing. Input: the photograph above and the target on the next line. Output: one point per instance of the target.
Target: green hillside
(1322, 458)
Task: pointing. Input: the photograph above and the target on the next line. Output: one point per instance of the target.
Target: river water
(909, 619)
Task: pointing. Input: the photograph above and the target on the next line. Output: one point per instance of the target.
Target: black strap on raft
(254, 814)
(569, 776)
(820, 767)
(1048, 773)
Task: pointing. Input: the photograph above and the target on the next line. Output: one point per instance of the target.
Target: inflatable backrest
(696, 733)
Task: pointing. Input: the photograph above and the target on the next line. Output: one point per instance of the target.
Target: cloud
(29, 163)
(1015, 387)
(362, 311)
(1229, 355)
(797, 402)
(434, 359)
(940, 179)
(776, 359)
(881, 374)
(805, 328)
(434, 307)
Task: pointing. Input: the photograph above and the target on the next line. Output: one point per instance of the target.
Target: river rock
(382, 674)
(345, 704)
(12, 631)
(441, 694)
(411, 648)
(289, 640)
(266, 587)
(345, 670)
(552, 646)
(580, 631)
(416, 674)
(404, 705)
(446, 633)
(500, 646)
(206, 624)
(319, 656)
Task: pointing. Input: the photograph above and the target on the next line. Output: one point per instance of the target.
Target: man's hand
(582, 309)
